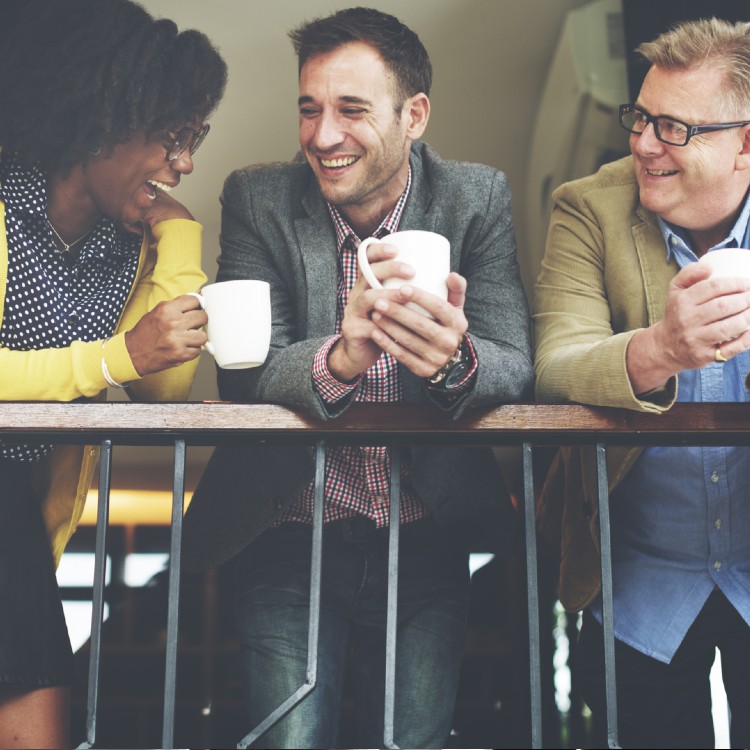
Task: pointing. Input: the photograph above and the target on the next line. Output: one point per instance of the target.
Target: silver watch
(451, 374)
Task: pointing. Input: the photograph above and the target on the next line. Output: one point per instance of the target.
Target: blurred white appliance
(576, 128)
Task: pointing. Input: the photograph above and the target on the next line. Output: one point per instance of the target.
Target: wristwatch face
(456, 374)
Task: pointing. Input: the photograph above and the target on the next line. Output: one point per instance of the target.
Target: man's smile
(660, 172)
(343, 161)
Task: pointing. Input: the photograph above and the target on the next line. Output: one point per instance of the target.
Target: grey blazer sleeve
(255, 245)
(496, 306)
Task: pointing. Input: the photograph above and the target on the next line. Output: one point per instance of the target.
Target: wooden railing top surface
(207, 423)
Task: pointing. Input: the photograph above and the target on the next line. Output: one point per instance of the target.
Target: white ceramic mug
(239, 322)
(729, 262)
(428, 253)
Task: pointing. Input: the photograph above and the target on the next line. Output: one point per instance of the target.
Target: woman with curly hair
(101, 110)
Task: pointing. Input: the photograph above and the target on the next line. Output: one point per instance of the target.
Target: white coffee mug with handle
(428, 253)
(239, 322)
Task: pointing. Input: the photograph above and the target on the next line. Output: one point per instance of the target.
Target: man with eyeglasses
(625, 317)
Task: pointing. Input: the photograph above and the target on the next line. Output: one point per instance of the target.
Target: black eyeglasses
(187, 138)
(667, 129)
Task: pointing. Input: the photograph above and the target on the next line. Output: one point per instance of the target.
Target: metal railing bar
(607, 606)
(391, 627)
(532, 597)
(313, 630)
(97, 604)
(173, 595)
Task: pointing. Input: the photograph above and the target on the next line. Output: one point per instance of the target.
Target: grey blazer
(276, 227)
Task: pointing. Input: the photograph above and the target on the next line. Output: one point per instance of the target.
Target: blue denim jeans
(272, 595)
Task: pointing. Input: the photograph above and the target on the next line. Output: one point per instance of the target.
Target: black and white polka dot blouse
(52, 299)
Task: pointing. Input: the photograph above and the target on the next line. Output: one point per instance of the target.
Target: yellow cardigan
(604, 276)
(169, 265)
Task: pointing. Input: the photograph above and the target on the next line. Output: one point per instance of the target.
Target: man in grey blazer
(363, 105)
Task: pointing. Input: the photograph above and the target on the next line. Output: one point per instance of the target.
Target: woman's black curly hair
(77, 76)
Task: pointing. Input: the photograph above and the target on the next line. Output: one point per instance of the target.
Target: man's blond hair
(712, 42)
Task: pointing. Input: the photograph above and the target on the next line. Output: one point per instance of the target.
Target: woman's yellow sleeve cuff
(117, 359)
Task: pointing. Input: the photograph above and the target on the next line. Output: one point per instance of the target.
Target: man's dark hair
(85, 75)
(401, 49)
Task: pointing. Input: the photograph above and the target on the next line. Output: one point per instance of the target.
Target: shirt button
(717, 565)
(379, 499)
(717, 523)
(714, 477)
(73, 318)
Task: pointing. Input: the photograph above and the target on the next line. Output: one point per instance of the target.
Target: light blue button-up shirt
(681, 517)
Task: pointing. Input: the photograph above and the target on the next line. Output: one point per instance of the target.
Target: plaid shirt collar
(387, 226)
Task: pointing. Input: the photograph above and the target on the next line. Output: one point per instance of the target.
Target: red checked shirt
(357, 477)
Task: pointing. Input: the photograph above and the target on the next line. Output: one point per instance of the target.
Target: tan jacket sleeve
(593, 294)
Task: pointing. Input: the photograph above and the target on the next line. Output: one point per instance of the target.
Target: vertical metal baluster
(173, 594)
(316, 565)
(97, 604)
(532, 597)
(607, 607)
(313, 630)
(392, 610)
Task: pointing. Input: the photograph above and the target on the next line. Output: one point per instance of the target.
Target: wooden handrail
(218, 422)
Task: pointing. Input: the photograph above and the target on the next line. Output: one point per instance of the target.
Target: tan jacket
(169, 265)
(604, 276)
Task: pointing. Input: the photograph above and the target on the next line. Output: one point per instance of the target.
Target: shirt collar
(678, 241)
(22, 187)
(387, 226)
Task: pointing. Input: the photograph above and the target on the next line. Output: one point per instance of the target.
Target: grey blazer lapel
(317, 245)
(418, 213)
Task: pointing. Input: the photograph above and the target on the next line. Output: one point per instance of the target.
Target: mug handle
(202, 302)
(364, 263)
